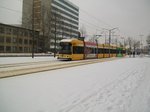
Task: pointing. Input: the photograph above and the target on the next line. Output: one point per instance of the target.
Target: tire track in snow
(117, 95)
(141, 98)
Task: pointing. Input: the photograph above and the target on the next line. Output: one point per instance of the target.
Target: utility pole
(141, 43)
(96, 40)
(55, 36)
(110, 30)
(33, 30)
(105, 38)
(97, 47)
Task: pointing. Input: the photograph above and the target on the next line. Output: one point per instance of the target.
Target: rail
(35, 68)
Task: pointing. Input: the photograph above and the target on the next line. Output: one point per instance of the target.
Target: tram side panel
(78, 52)
(90, 50)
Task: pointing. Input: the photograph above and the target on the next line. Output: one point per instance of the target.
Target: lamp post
(141, 44)
(33, 30)
(55, 35)
(96, 40)
(110, 30)
(123, 41)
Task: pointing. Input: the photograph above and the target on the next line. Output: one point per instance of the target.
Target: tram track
(35, 68)
(24, 64)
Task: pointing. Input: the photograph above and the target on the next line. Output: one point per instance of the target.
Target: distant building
(53, 18)
(17, 40)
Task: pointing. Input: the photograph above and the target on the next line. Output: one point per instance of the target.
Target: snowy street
(116, 86)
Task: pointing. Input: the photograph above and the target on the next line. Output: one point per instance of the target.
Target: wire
(97, 19)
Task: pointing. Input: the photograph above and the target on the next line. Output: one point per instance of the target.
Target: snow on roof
(68, 40)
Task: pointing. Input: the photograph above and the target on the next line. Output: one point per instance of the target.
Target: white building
(55, 19)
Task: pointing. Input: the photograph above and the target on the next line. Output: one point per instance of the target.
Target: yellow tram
(74, 49)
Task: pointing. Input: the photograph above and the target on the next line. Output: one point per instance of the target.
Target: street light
(110, 30)
(33, 17)
(141, 43)
(96, 40)
(123, 41)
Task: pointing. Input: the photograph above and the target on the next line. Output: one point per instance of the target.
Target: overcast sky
(131, 16)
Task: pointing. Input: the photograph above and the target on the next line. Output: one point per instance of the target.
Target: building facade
(54, 19)
(17, 40)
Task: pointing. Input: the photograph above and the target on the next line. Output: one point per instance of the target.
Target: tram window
(117, 51)
(93, 50)
(65, 43)
(106, 51)
(78, 50)
(111, 51)
(65, 48)
(124, 51)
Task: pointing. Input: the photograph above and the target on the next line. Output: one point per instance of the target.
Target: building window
(14, 40)
(1, 39)
(25, 49)
(15, 32)
(1, 29)
(1, 48)
(26, 33)
(21, 33)
(8, 30)
(25, 41)
(8, 49)
(30, 50)
(30, 42)
(20, 41)
(8, 40)
(20, 49)
(31, 33)
(14, 48)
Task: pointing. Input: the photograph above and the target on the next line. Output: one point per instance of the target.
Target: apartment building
(17, 40)
(54, 19)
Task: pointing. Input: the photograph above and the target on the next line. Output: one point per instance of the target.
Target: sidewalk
(24, 54)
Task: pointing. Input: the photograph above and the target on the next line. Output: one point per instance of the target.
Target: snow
(11, 60)
(116, 86)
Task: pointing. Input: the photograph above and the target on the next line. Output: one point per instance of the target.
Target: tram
(74, 49)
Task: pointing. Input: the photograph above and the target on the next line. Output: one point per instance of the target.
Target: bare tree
(148, 40)
(136, 44)
(130, 43)
(148, 43)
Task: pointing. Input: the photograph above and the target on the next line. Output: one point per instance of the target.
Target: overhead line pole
(33, 30)
(55, 35)
(110, 30)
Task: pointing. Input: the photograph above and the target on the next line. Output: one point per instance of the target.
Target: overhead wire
(95, 18)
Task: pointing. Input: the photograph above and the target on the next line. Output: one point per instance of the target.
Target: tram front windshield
(65, 48)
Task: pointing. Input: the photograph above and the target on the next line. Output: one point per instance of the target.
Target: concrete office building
(55, 19)
(17, 40)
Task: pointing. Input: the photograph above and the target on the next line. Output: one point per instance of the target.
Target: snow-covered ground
(116, 86)
(10, 60)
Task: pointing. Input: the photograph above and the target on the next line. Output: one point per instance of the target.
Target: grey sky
(10, 11)
(131, 16)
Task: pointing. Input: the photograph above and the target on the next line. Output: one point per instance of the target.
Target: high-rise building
(55, 19)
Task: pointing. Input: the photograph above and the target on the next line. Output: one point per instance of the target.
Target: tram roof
(69, 40)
